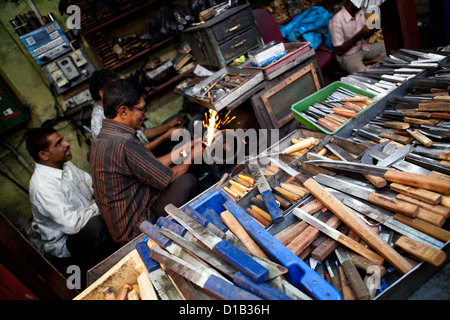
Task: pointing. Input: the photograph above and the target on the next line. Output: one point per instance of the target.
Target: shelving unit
(97, 32)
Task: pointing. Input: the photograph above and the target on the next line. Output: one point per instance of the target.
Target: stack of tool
(394, 70)
(337, 109)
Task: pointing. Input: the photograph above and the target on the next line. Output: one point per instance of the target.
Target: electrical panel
(12, 114)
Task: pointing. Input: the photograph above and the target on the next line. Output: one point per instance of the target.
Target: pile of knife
(386, 75)
(420, 121)
(337, 109)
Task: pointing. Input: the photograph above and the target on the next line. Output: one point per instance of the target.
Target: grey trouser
(354, 62)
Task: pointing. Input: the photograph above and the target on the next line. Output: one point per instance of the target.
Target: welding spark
(212, 123)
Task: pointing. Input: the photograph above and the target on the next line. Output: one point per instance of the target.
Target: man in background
(349, 31)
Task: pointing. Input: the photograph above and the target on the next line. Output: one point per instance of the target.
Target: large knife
(377, 214)
(377, 181)
(165, 288)
(338, 236)
(347, 217)
(216, 286)
(400, 165)
(368, 194)
(415, 180)
(223, 248)
(266, 193)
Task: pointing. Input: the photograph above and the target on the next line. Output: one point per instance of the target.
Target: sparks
(212, 122)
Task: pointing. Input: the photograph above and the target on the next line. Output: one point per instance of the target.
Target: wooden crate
(125, 271)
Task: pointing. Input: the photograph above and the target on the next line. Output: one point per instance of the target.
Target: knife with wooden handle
(377, 181)
(338, 236)
(356, 282)
(367, 194)
(411, 179)
(352, 221)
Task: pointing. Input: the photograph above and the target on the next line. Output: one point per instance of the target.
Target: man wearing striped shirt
(131, 184)
(66, 222)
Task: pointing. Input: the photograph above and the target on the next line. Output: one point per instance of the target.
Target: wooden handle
(392, 204)
(434, 106)
(422, 251)
(356, 282)
(221, 181)
(444, 156)
(366, 265)
(396, 125)
(423, 139)
(345, 112)
(301, 192)
(347, 291)
(360, 249)
(396, 137)
(417, 193)
(437, 208)
(430, 217)
(419, 181)
(235, 227)
(358, 226)
(304, 239)
(146, 288)
(378, 182)
(425, 227)
(299, 146)
(327, 125)
(442, 98)
(123, 294)
(258, 217)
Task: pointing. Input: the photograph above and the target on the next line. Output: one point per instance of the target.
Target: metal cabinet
(225, 37)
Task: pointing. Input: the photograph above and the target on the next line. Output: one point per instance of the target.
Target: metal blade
(344, 186)
(350, 166)
(340, 152)
(164, 285)
(179, 266)
(260, 180)
(286, 168)
(398, 154)
(341, 254)
(208, 257)
(316, 223)
(377, 215)
(200, 232)
(427, 163)
(384, 217)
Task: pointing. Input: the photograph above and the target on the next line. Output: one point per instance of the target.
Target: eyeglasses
(143, 110)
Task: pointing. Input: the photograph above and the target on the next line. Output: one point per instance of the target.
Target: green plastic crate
(321, 95)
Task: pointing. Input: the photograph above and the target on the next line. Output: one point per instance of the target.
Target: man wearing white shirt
(349, 31)
(66, 220)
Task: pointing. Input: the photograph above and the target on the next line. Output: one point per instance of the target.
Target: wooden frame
(267, 95)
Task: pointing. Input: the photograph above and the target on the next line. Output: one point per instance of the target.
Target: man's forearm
(154, 132)
(340, 50)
